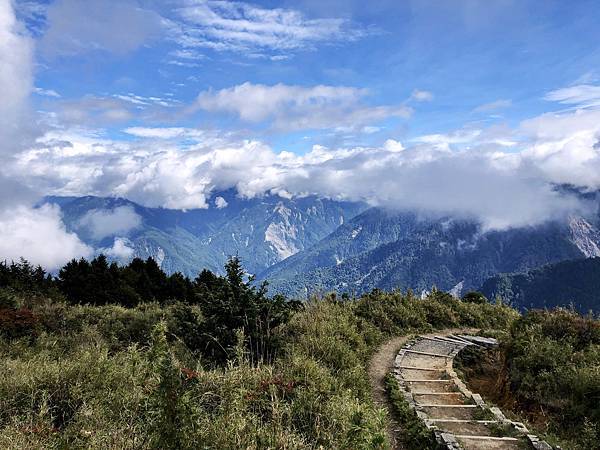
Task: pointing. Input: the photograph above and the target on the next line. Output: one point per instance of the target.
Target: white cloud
(421, 96)
(121, 250)
(298, 107)
(221, 203)
(109, 222)
(565, 147)
(257, 102)
(165, 133)
(39, 236)
(462, 136)
(16, 79)
(242, 27)
(583, 96)
(92, 110)
(47, 92)
(493, 106)
(141, 101)
(467, 173)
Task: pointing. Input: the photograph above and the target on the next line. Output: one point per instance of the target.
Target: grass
(113, 377)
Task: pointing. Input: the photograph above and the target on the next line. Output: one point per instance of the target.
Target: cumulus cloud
(298, 107)
(243, 27)
(121, 250)
(39, 236)
(565, 147)
(16, 67)
(477, 173)
(220, 203)
(109, 222)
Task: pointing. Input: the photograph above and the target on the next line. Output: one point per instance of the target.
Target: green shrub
(553, 359)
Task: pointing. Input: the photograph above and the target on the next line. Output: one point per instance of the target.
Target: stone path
(459, 418)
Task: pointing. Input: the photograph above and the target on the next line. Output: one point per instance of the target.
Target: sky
(474, 108)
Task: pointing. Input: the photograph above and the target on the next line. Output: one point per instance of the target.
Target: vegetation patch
(225, 365)
(545, 370)
(414, 435)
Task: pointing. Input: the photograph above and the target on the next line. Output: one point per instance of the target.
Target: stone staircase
(458, 418)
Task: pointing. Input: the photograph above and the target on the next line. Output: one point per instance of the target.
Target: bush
(16, 323)
(553, 359)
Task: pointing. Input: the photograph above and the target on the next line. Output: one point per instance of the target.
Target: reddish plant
(16, 323)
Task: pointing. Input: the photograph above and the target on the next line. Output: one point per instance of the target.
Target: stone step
(453, 341)
(432, 398)
(437, 393)
(486, 438)
(427, 381)
(480, 340)
(444, 341)
(417, 352)
(421, 368)
(463, 340)
(485, 422)
(423, 405)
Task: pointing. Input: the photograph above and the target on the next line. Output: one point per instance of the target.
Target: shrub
(553, 359)
(16, 323)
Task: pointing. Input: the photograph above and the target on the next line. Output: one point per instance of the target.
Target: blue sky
(467, 53)
(473, 109)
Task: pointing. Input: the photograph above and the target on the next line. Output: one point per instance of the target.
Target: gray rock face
(377, 249)
(261, 231)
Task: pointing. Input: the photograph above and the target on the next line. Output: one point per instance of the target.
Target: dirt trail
(381, 364)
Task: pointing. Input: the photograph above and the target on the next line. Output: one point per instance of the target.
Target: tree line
(228, 304)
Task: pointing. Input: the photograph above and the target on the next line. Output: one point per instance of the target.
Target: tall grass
(110, 377)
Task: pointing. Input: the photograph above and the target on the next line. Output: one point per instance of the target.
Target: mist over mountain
(261, 231)
(309, 245)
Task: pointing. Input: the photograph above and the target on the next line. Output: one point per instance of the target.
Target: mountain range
(573, 283)
(309, 244)
(261, 231)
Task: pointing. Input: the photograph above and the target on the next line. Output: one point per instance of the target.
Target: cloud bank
(502, 177)
(39, 236)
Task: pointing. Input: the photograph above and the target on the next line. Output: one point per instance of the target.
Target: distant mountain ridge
(377, 249)
(575, 282)
(306, 245)
(261, 231)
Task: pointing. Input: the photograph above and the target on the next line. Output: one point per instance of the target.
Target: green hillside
(575, 282)
(225, 365)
